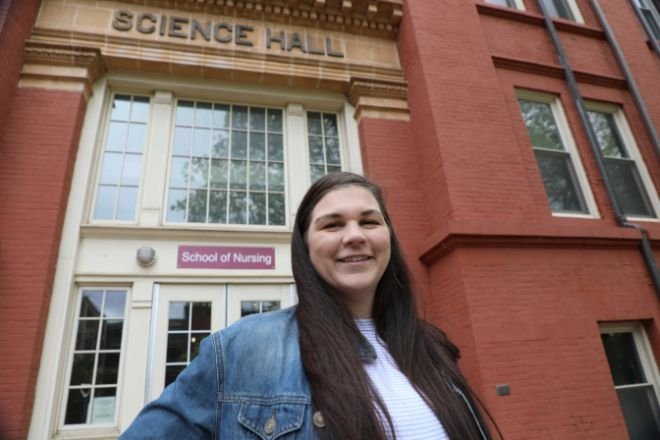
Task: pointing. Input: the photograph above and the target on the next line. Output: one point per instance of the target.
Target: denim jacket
(247, 382)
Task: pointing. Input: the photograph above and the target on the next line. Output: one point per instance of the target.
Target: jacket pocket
(272, 420)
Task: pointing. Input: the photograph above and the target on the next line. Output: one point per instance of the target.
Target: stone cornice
(61, 66)
(370, 17)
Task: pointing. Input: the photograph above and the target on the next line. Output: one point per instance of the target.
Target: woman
(351, 361)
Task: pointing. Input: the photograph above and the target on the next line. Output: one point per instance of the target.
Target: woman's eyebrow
(336, 215)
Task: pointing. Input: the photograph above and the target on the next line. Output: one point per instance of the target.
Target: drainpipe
(649, 33)
(650, 128)
(647, 251)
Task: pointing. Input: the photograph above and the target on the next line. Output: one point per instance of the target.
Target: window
(188, 324)
(323, 139)
(91, 392)
(566, 9)
(650, 10)
(121, 165)
(508, 3)
(252, 307)
(562, 173)
(227, 165)
(632, 186)
(635, 378)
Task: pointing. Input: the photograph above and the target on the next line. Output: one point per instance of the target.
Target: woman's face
(349, 245)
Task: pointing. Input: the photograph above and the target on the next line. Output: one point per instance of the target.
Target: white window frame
(650, 6)
(631, 146)
(575, 10)
(643, 347)
(74, 430)
(571, 148)
(517, 4)
(165, 93)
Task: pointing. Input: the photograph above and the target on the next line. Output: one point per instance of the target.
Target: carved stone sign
(219, 32)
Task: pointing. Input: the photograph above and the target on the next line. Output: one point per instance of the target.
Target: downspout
(647, 251)
(650, 128)
(649, 34)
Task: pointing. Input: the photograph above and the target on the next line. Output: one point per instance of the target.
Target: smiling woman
(351, 361)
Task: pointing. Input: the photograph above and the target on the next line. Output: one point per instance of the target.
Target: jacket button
(270, 425)
(318, 420)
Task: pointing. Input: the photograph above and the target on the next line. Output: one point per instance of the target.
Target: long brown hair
(330, 341)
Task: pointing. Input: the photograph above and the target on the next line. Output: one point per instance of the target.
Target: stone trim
(379, 99)
(61, 67)
(372, 17)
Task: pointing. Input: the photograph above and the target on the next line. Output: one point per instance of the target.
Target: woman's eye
(370, 222)
(333, 225)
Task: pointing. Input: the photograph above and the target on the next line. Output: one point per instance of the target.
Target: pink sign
(223, 257)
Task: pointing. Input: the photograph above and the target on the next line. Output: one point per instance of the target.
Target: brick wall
(35, 173)
(16, 19)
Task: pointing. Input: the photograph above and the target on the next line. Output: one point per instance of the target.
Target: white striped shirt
(412, 418)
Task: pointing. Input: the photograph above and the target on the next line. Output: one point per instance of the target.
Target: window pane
(178, 316)
(560, 184)
(332, 151)
(239, 145)
(83, 368)
(249, 308)
(184, 113)
(201, 316)
(179, 174)
(203, 114)
(197, 206)
(218, 207)
(276, 209)
(126, 203)
(182, 141)
(137, 133)
(257, 208)
(221, 116)
(177, 347)
(257, 146)
(195, 340)
(275, 148)
(541, 126)
(269, 306)
(640, 410)
(316, 149)
(92, 301)
(104, 405)
(116, 136)
(329, 124)
(316, 172)
(108, 368)
(220, 143)
(237, 207)
(77, 406)
(199, 172)
(219, 173)
(176, 205)
(257, 118)
(120, 108)
(274, 120)
(606, 134)
(314, 123)
(88, 331)
(115, 300)
(628, 188)
(623, 359)
(140, 109)
(276, 177)
(238, 174)
(257, 175)
(171, 372)
(132, 169)
(201, 142)
(239, 117)
(111, 168)
(111, 334)
(105, 202)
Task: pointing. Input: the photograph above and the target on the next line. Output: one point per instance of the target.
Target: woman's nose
(353, 234)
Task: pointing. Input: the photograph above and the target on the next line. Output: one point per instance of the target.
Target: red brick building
(516, 141)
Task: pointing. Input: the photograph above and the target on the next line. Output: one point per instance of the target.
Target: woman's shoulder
(261, 326)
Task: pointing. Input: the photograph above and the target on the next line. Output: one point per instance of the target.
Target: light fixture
(146, 256)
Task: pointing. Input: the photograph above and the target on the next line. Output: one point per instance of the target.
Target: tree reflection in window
(227, 165)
